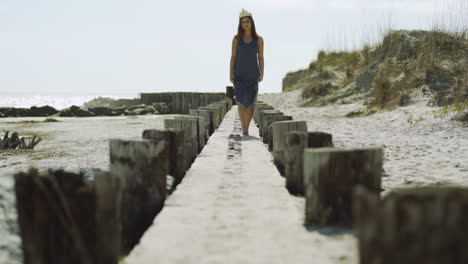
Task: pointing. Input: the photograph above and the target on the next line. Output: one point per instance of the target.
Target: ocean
(56, 101)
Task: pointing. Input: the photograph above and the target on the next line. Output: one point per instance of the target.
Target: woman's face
(246, 23)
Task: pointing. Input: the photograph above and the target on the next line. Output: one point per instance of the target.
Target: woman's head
(246, 23)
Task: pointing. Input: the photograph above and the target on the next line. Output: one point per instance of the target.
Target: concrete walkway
(232, 207)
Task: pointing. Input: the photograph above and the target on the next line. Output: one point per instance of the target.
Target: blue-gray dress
(246, 73)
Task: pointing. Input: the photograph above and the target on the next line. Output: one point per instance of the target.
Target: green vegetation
(457, 108)
(389, 73)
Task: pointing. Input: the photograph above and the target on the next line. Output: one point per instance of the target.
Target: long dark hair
(240, 30)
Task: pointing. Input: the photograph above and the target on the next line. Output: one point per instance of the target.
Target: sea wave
(58, 102)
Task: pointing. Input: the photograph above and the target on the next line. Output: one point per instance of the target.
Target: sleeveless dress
(246, 73)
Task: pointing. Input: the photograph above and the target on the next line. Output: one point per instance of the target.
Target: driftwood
(15, 142)
(415, 225)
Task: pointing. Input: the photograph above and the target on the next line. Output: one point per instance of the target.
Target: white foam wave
(58, 102)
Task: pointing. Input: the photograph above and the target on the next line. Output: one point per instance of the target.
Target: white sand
(72, 144)
(429, 151)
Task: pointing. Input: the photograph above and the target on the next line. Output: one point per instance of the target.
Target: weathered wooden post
(176, 146)
(216, 114)
(317, 139)
(263, 115)
(414, 225)
(258, 108)
(63, 218)
(142, 167)
(330, 174)
(280, 129)
(200, 127)
(264, 112)
(208, 117)
(222, 110)
(267, 121)
(295, 144)
(230, 103)
(230, 94)
(189, 126)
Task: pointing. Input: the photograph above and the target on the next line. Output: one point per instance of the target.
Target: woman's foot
(245, 131)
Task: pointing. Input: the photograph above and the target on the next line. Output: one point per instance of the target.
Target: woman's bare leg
(242, 116)
(249, 115)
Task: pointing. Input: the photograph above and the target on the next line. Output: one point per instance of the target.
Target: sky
(89, 47)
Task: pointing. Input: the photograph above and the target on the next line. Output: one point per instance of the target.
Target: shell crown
(244, 13)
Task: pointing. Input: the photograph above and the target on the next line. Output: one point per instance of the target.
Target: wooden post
(189, 126)
(280, 129)
(330, 174)
(230, 93)
(222, 110)
(296, 142)
(230, 103)
(414, 225)
(216, 114)
(267, 121)
(200, 128)
(208, 117)
(318, 139)
(263, 115)
(65, 219)
(142, 166)
(258, 108)
(108, 216)
(176, 146)
(264, 112)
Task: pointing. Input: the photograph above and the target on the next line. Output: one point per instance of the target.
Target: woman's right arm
(233, 59)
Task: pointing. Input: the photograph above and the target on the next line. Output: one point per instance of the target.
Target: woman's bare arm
(260, 58)
(233, 58)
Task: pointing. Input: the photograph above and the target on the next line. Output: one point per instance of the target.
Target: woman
(246, 68)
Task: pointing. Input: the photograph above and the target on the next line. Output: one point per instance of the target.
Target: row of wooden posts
(181, 102)
(342, 188)
(96, 216)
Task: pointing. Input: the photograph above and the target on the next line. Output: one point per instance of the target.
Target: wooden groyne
(181, 102)
(231, 200)
(342, 188)
(98, 217)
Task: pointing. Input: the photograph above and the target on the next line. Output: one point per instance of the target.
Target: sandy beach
(72, 144)
(420, 149)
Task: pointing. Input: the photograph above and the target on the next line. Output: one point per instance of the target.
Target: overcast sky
(90, 47)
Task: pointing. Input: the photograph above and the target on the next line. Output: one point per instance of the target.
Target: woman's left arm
(260, 58)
